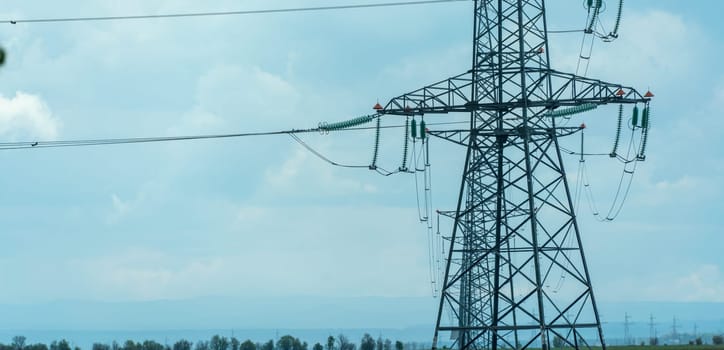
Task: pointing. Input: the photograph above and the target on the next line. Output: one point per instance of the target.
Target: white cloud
(247, 95)
(285, 176)
(144, 274)
(270, 251)
(698, 283)
(302, 171)
(27, 116)
(705, 284)
(120, 207)
(640, 54)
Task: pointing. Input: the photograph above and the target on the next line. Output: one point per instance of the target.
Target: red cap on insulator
(583, 126)
(649, 94)
(541, 50)
(620, 92)
(378, 107)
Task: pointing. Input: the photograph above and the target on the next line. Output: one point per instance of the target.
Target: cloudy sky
(262, 216)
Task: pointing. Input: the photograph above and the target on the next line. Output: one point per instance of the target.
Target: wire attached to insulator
(597, 4)
(614, 33)
(618, 132)
(376, 150)
(406, 146)
(645, 126)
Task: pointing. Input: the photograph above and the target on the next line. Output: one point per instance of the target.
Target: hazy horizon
(156, 230)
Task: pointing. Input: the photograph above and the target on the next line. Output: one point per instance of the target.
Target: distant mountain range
(310, 318)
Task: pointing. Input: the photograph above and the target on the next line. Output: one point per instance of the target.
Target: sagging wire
(436, 268)
(323, 157)
(440, 251)
(421, 164)
(326, 128)
(630, 162)
(419, 158)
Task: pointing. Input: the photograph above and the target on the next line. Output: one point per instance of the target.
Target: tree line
(217, 342)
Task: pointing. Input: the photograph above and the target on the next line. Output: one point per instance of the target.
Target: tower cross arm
(455, 95)
(450, 95)
(570, 90)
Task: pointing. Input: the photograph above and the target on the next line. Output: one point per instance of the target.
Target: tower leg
(516, 275)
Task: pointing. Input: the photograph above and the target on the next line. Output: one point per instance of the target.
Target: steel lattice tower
(516, 274)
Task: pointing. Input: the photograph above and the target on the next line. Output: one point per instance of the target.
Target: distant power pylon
(515, 232)
(652, 330)
(674, 332)
(627, 330)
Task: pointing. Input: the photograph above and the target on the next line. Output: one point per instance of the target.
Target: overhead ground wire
(135, 140)
(224, 13)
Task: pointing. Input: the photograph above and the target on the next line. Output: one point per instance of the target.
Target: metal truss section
(453, 95)
(516, 274)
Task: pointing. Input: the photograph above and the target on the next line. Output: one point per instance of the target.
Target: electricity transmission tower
(515, 237)
(627, 330)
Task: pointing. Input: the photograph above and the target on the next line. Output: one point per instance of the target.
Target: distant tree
(399, 345)
(38, 346)
(131, 345)
(115, 346)
(268, 345)
(201, 345)
(6, 347)
(380, 344)
(247, 345)
(330, 343)
(654, 341)
(317, 346)
(99, 346)
(388, 345)
(182, 344)
(235, 343)
(558, 342)
(367, 342)
(151, 345)
(219, 343)
(344, 343)
(717, 340)
(698, 341)
(18, 342)
(286, 342)
(60, 345)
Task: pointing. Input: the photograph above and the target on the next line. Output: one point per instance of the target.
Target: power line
(323, 157)
(566, 31)
(4, 146)
(226, 13)
(99, 142)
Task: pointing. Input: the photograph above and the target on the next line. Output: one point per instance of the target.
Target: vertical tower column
(516, 275)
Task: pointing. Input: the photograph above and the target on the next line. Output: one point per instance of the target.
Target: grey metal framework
(516, 274)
